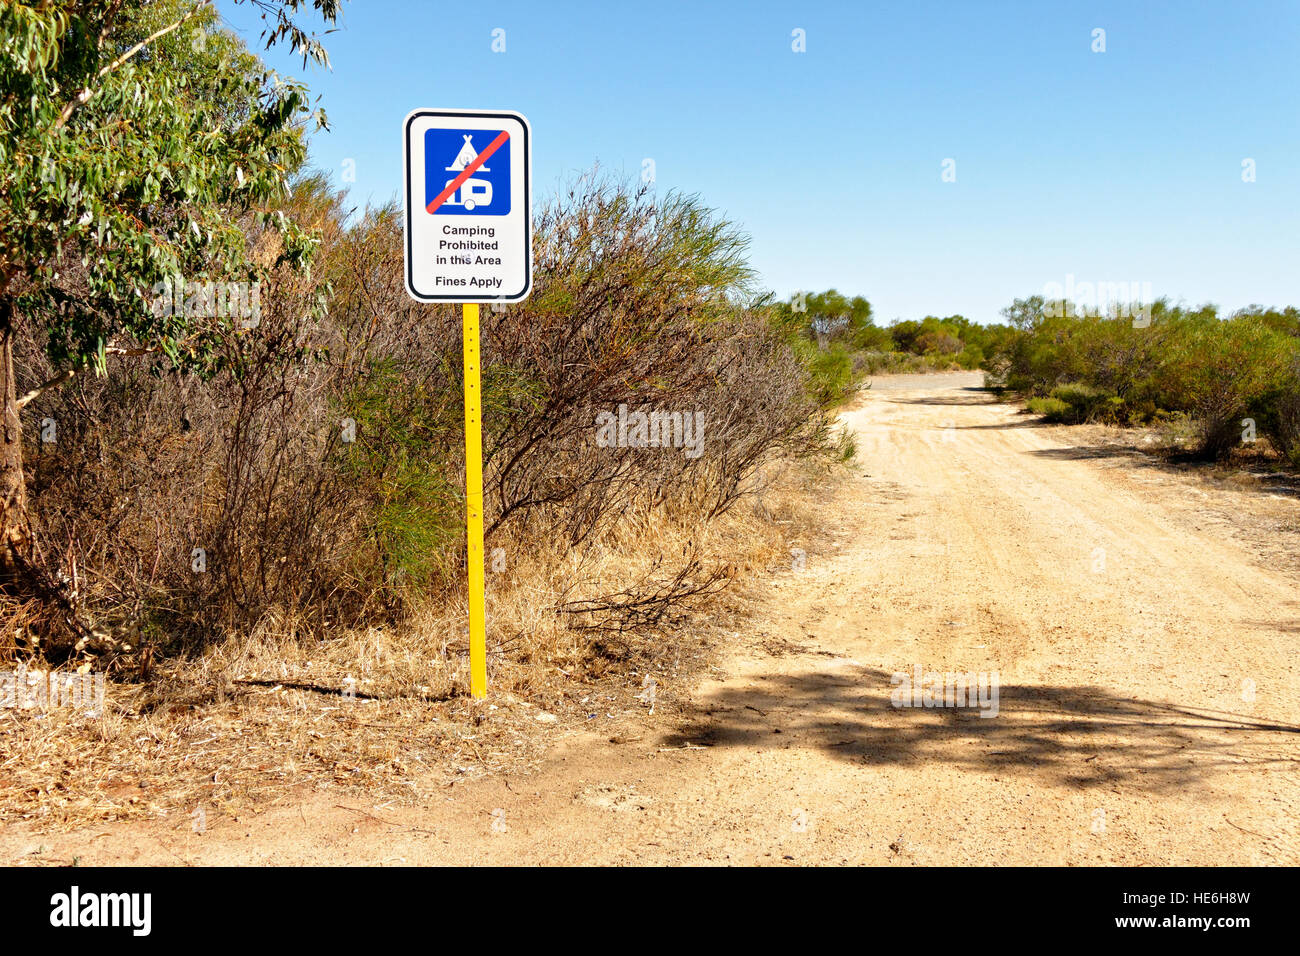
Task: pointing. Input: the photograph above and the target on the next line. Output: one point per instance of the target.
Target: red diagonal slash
(468, 171)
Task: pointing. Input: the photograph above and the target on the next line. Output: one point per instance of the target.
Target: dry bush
(638, 301)
(148, 464)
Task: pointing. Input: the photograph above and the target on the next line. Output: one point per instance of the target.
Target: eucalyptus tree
(138, 142)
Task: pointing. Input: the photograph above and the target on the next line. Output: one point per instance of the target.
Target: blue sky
(1122, 166)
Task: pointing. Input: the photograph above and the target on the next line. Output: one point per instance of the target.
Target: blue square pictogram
(447, 152)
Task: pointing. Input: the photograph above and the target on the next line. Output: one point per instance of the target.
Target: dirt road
(1147, 705)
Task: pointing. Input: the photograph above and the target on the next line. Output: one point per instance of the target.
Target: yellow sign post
(469, 239)
(474, 506)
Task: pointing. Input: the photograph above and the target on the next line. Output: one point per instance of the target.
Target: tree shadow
(1272, 483)
(1286, 627)
(1083, 736)
(979, 397)
(1087, 452)
(1004, 426)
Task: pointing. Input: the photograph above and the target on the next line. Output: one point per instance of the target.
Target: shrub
(830, 371)
(1213, 371)
(1087, 403)
(638, 301)
(1052, 409)
(1280, 413)
(1218, 370)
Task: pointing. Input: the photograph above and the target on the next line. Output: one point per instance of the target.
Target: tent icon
(466, 156)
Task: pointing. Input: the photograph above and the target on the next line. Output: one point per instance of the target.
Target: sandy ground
(1142, 631)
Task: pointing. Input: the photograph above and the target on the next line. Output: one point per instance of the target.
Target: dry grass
(249, 720)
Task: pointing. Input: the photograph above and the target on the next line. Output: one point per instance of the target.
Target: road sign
(468, 222)
(469, 239)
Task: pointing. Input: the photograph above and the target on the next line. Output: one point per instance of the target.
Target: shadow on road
(972, 396)
(1273, 483)
(1082, 736)
(1003, 426)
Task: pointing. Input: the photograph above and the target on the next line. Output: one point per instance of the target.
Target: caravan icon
(487, 191)
(473, 192)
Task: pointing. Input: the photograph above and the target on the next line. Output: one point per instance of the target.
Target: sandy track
(1123, 618)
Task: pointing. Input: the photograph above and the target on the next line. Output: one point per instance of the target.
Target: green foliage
(831, 372)
(417, 523)
(846, 446)
(1086, 403)
(826, 317)
(888, 363)
(825, 330)
(1221, 371)
(1053, 409)
(971, 357)
(835, 337)
(1025, 314)
(398, 459)
(1217, 371)
(137, 143)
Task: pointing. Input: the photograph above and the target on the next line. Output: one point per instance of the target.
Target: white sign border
(528, 205)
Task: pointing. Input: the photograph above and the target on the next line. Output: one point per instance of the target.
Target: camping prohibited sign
(468, 223)
(469, 239)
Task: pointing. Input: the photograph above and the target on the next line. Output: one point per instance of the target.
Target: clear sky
(1115, 166)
